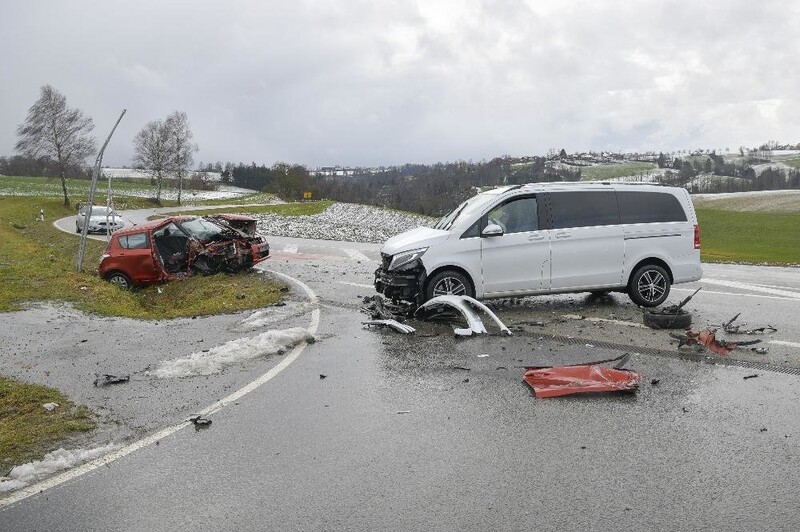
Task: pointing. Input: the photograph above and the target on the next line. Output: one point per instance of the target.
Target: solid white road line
(76, 472)
(781, 342)
(689, 290)
(289, 249)
(752, 287)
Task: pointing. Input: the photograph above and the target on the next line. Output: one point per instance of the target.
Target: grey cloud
(358, 82)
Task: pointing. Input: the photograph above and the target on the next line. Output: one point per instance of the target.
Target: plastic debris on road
(466, 306)
(730, 328)
(589, 377)
(394, 324)
(105, 378)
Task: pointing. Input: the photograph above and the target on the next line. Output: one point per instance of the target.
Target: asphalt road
(396, 436)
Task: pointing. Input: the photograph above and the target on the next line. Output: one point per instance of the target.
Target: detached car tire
(448, 282)
(649, 286)
(120, 279)
(667, 320)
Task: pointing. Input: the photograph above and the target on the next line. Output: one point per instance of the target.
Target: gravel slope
(343, 221)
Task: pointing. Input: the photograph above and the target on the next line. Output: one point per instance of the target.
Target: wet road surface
(395, 436)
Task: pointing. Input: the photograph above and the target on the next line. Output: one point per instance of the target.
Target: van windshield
(466, 210)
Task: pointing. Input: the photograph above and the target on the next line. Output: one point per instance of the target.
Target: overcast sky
(373, 82)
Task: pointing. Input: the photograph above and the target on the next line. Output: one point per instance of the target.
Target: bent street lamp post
(95, 174)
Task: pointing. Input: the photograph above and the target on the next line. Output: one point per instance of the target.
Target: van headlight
(405, 258)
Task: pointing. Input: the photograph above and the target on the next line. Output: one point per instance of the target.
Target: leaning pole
(95, 174)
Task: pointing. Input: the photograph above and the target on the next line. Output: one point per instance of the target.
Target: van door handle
(536, 238)
(563, 234)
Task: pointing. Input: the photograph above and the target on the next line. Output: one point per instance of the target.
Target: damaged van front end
(403, 274)
(401, 277)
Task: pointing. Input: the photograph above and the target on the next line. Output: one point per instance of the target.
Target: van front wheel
(449, 282)
(649, 286)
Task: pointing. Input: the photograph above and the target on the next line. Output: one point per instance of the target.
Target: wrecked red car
(179, 246)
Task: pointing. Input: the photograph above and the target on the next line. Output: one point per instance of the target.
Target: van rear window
(584, 209)
(649, 207)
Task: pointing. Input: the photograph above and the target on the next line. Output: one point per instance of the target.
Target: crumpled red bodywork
(581, 378)
(708, 339)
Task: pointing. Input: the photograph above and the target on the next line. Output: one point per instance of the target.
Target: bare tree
(165, 146)
(153, 151)
(56, 131)
(182, 146)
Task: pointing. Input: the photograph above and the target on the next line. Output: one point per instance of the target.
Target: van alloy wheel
(649, 286)
(449, 282)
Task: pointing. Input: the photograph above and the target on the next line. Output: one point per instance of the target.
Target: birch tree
(152, 145)
(181, 145)
(58, 132)
(165, 146)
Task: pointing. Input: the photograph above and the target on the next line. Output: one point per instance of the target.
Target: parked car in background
(549, 238)
(179, 246)
(102, 220)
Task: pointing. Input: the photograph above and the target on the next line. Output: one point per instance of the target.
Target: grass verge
(601, 172)
(27, 430)
(749, 237)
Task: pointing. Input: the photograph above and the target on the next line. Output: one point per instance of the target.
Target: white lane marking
(357, 255)
(604, 320)
(289, 249)
(57, 480)
(734, 294)
(752, 287)
(358, 285)
(788, 344)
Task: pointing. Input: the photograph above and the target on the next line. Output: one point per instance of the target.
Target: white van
(549, 238)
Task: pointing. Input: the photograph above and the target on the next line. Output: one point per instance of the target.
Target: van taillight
(696, 237)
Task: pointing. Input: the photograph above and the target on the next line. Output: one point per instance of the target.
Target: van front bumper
(405, 285)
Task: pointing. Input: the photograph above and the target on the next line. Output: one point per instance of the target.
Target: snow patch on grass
(58, 460)
(218, 358)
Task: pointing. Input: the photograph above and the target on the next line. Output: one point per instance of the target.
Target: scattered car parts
(466, 306)
(730, 328)
(671, 317)
(105, 378)
(394, 324)
(588, 377)
(707, 338)
(200, 422)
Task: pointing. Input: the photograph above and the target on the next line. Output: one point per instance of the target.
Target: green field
(749, 237)
(601, 172)
(308, 208)
(27, 430)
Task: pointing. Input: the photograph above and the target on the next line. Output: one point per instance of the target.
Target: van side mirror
(492, 230)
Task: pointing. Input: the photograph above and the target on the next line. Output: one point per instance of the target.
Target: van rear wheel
(449, 282)
(649, 286)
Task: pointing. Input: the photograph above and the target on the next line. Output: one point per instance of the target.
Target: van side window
(584, 209)
(649, 207)
(516, 216)
(135, 241)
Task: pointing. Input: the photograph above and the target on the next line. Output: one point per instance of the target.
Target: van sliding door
(587, 246)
